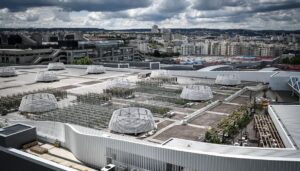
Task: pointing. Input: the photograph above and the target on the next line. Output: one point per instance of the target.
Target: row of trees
(158, 54)
(291, 61)
(120, 92)
(83, 61)
(229, 126)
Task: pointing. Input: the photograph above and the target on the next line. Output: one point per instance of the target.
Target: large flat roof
(233, 151)
(75, 78)
(213, 67)
(285, 73)
(288, 116)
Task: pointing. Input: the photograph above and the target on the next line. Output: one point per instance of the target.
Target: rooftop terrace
(86, 105)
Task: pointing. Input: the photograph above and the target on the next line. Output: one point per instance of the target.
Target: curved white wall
(92, 147)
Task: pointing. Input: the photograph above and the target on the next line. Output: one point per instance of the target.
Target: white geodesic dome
(132, 120)
(56, 66)
(196, 93)
(46, 76)
(160, 74)
(118, 83)
(95, 69)
(7, 72)
(37, 103)
(228, 79)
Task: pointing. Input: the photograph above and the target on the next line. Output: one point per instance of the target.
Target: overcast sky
(125, 14)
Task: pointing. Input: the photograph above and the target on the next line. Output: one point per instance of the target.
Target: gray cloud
(275, 6)
(165, 9)
(76, 5)
(172, 6)
(253, 5)
(269, 14)
(160, 10)
(207, 5)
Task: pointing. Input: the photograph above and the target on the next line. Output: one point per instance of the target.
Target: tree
(285, 61)
(156, 53)
(293, 61)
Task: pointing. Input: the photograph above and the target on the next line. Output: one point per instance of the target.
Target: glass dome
(95, 69)
(46, 76)
(7, 72)
(196, 93)
(160, 74)
(37, 103)
(56, 66)
(228, 79)
(118, 83)
(132, 121)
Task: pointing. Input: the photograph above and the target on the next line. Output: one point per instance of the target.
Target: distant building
(155, 29)
(187, 49)
(165, 30)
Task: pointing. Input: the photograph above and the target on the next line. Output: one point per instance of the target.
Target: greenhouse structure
(95, 69)
(56, 66)
(118, 83)
(7, 72)
(132, 120)
(37, 103)
(46, 76)
(163, 76)
(228, 79)
(196, 93)
(160, 74)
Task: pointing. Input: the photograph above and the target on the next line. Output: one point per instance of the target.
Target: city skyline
(113, 14)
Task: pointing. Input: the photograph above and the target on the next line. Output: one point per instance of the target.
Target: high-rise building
(155, 29)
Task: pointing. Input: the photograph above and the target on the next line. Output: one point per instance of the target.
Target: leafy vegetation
(211, 136)
(94, 98)
(171, 80)
(120, 92)
(158, 54)
(158, 90)
(154, 109)
(150, 83)
(229, 125)
(291, 61)
(83, 61)
(177, 101)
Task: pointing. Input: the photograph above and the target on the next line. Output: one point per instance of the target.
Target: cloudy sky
(124, 14)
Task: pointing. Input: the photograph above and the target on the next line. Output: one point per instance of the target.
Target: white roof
(213, 67)
(12, 50)
(286, 74)
(270, 69)
(289, 117)
(234, 151)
